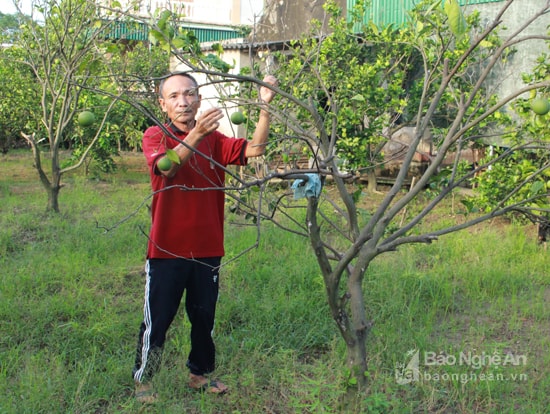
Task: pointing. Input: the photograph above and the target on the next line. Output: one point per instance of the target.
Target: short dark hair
(184, 74)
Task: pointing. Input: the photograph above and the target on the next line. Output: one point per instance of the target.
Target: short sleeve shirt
(188, 209)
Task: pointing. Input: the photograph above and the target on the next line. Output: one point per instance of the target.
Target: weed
(71, 297)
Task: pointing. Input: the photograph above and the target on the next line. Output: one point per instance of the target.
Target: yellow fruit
(86, 118)
(164, 164)
(237, 118)
(540, 106)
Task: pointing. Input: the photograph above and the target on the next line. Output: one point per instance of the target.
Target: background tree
(59, 47)
(356, 85)
(126, 75)
(69, 49)
(16, 84)
(9, 25)
(500, 185)
(17, 110)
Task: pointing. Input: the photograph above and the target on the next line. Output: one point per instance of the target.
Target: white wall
(524, 59)
(223, 12)
(213, 94)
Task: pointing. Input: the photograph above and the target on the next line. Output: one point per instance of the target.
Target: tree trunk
(357, 350)
(372, 184)
(53, 198)
(52, 187)
(357, 360)
(348, 311)
(55, 184)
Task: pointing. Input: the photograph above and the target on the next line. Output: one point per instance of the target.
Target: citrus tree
(17, 84)
(453, 102)
(500, 185)
(357, 86)
(340, 96)
(77, 65)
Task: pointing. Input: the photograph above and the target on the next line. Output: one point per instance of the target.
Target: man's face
(180, 100)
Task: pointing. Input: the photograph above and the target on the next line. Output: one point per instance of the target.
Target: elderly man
(186, 239)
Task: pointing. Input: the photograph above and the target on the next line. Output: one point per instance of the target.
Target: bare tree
(60, 43)
(453, 98)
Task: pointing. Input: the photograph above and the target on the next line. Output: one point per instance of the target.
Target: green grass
(71, 298)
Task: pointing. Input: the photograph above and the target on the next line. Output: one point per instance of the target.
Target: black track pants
(166, 281)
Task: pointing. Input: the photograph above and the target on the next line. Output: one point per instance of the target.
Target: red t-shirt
(187, 220)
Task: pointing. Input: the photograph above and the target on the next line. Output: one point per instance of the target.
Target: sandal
(202, 384)
(144, 394)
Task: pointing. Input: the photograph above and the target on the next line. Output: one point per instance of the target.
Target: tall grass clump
(71, 295)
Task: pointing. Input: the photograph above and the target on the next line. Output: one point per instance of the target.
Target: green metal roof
(128, 31)
(385, 12)
(139, 31)
(212, 34)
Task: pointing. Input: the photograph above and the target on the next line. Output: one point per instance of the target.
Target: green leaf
(217, 47)
(536, 187)
(470, 206)
(179, 43)
(486, 44)
(457, 22)
(165, 15)
(373, 27)
(447, 6)
(173, 156)
(156, 37)
(217, 63)
(112, 48)
(434, 5)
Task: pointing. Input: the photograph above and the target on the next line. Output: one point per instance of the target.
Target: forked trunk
(372, 183)
(348, 311)
(52, 186)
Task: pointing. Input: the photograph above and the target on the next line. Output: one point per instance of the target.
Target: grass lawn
(460, 326)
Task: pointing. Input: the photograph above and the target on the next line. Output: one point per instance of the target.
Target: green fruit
(540, 106)
(237, 118)
(164, 164)
(86, 118)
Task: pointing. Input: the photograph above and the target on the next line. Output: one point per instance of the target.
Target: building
(227, 12)
(280, 21)
(211, 21)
